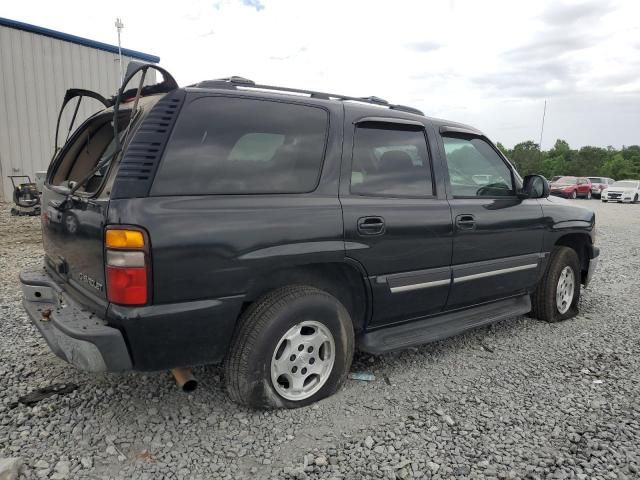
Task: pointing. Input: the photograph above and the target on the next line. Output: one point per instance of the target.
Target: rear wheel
(557, 295)
(292, 347)
(589, 195)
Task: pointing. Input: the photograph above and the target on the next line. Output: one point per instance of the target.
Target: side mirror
(535, 186)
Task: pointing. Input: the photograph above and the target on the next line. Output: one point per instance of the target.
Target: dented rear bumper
(73, 333)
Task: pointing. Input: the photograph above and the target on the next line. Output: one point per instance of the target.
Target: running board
(443, 326)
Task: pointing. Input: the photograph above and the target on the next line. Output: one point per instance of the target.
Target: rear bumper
(73, 333)
(154, 337)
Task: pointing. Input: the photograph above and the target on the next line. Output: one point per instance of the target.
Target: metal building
(37, 66)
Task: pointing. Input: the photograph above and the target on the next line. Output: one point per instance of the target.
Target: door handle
(465, 222)
(371, 225)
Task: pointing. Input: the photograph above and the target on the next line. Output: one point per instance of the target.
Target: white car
(622, 191)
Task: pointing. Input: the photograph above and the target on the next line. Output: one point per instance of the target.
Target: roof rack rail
(236, 82)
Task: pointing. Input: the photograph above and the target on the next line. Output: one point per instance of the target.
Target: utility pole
(119, 26)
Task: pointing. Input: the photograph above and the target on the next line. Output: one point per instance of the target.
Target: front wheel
(556, 296)
(292, 347)
(635, 199)
(574, 195)
(589, 195)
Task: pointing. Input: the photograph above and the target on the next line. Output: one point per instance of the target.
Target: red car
(572, 187)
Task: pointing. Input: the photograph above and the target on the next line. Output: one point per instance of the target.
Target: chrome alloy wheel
(303, 360)
(565, 289)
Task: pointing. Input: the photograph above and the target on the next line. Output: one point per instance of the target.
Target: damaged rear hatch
(75, 197)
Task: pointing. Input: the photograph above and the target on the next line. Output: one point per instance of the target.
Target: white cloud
(490, 63)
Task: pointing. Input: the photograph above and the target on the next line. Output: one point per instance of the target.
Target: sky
(491, 64)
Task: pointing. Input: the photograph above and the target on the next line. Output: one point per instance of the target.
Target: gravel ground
(520, 399)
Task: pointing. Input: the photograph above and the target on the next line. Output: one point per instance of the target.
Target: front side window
(390, 160)
(475, 169)
(225, 145)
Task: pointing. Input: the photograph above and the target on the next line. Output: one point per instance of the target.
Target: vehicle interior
(93, 143)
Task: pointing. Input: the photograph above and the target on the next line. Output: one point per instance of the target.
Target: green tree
(505, 151)
(590, 159)
(527, 158)
(561, 148)
(619, 167)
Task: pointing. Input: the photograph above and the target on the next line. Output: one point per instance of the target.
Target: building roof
(75, 39)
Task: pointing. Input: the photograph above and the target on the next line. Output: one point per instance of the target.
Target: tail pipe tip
(185, 379)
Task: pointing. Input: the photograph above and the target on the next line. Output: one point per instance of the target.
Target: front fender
(563, 218)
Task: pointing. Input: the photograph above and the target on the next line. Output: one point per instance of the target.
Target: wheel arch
(344, 280)
(581, 243)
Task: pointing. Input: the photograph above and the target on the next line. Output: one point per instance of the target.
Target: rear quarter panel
(211, 246)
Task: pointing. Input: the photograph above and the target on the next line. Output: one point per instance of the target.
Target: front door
(497, 235)
(397, 224)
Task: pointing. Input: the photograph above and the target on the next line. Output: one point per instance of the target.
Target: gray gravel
(520, 399)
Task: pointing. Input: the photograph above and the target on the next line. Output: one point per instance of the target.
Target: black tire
(574, 195)
(635, 199)
(248, 364)
(589, 195)
(543, 300)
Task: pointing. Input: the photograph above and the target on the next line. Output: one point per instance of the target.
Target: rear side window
(224, 145)
(390, 160)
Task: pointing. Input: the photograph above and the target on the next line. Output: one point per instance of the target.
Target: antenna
(544, 113)
(119, 26)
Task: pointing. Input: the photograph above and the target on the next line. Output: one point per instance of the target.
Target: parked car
(598, 184)
(622, 191)
(572, 187)
(276, 230)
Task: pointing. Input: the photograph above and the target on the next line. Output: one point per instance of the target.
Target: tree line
(586, 162)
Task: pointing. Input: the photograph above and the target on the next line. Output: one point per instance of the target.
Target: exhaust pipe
(185, 379)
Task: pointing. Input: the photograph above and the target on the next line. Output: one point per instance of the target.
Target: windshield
(626, 184)
(566, 180)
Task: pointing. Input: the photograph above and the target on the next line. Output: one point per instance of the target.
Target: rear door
(397, 221)
(73, 224)
(497, 237)
(77, 188)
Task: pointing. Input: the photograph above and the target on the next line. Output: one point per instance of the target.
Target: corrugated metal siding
(35, 72)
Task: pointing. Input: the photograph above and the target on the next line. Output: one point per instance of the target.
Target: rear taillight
(126, 266)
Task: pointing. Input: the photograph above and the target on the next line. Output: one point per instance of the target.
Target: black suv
(276, 230)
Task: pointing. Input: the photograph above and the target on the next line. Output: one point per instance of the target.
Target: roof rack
(236, 82)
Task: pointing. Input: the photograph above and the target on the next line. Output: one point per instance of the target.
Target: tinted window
(230, 145)
(391, 160)
(475, 169)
